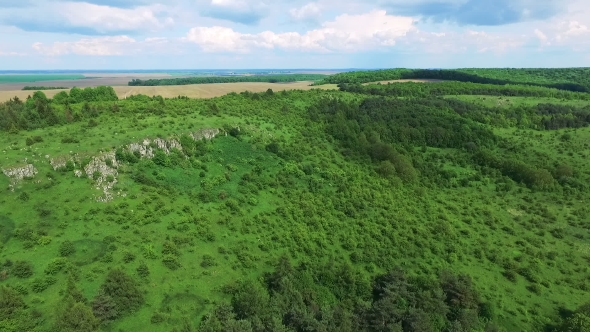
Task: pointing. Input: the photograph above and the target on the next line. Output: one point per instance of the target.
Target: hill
(407, 207)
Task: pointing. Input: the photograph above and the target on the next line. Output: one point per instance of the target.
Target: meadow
(383, 207)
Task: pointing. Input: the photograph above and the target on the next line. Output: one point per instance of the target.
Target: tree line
(570, 79)
(286, 78)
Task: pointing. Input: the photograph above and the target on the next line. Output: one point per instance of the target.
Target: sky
(245, 34)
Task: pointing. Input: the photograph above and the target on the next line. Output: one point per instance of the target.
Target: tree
(75, 316)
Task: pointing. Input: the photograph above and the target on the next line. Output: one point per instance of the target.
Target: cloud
(2, 53)
(347, 33)
(309, 12)
(120, 3)
(238, 11)
(571, 34)
(101, 46)
(89, 19)
(478, 12)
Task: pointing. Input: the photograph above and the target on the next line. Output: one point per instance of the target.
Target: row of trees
(421, 90)
(228, 79)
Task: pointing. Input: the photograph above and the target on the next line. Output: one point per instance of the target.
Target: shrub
(55, 266)
(70, 139)
(66, 248)
(171, 262)
(10, 302)
(123, 290)
(128, 257)
(29, 141)
(24, 196)
(143, 270)
(22, 269)
(208, 261)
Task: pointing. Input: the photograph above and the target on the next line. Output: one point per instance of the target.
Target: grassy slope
(469, 228)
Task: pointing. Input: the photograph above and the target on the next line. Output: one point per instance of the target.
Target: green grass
(314, 204)
(25, 78)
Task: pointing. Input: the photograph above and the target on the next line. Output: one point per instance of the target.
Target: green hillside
(404, 207)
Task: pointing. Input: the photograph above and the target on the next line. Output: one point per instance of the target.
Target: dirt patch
(192, 91)
(425, 80)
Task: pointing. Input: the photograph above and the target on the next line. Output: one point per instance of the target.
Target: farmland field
(192, 91)
(37, 78)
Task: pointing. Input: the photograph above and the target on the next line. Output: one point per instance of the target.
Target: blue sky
(207, 34)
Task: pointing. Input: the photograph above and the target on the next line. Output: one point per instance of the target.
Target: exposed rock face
(18, 173)
(207, 133)
(98, 165)
(146, 151)
(143, 148)
(58, 162)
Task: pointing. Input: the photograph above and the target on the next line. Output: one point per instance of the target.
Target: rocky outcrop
(16, 174)
(144, 149)
(104, 175)
(207, 133)
(19, 173)
(58, 162)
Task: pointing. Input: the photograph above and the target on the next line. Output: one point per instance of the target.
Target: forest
(572, 79)
(284, 78)
(447, 206)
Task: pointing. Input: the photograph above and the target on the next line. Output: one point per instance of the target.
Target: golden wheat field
(192, 91)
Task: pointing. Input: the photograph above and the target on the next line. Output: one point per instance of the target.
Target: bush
(143, 270)
(128, 257)
(66, 248)
(70, 139)
(171, 262)
(10, 302)
(22, 269)
(55, 266)
(208, 261)
(123, 290)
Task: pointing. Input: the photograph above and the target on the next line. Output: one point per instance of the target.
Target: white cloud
(85, 18)
(101, 46)
(346, 33)
(310, 11)
(2, 53)
(461, 42)
(105, 18)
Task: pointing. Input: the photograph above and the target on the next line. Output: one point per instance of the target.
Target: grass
(477, 228)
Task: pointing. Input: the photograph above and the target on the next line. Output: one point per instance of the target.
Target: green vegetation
(25, 78)
(572, 79)
(38, 88)
(285, 78)
(450, 206)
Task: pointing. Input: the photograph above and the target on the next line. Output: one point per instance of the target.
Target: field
(191, 91)
(37, 78)
(17, 82)
(453, 206)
